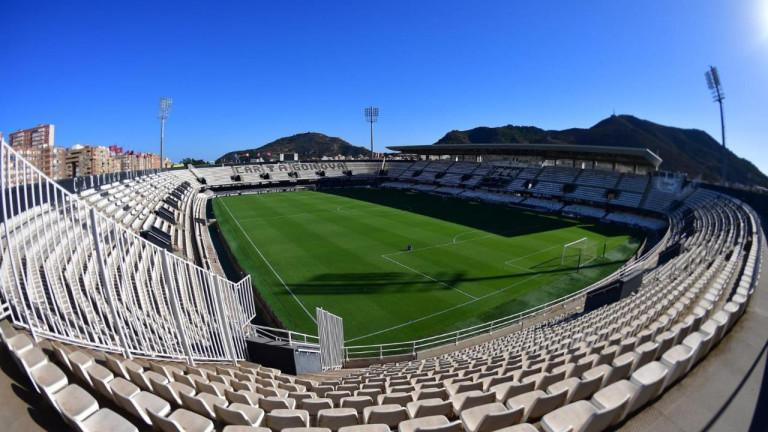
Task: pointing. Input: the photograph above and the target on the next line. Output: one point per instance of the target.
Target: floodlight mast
(371, 116)
(715, 86)
(165, 108)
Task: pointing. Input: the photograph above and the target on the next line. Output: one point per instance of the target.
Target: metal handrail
(290, 337)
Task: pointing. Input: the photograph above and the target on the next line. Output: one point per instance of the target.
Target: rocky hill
(309, 145)
(688, 150)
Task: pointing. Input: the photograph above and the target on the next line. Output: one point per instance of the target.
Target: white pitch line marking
(446, 310)
(268, 263)
(513, 260)
(427, 276)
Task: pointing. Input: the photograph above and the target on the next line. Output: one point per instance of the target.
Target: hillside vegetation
(688, 150)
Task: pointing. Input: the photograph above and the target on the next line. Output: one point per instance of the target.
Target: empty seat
(511, 389)
(471, 399)
(537, 403)
(429, 408)
(279, 419)
(358, 403)
(580, 416)
(181, 420)
(430, 424)
(389, 415)
(335, 418)
(490, 417)
(239, 414)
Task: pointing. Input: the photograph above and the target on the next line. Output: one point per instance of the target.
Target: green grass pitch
(345, 250)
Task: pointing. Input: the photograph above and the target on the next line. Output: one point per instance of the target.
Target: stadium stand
(111, 330)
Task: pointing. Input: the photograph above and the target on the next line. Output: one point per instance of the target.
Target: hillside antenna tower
(371, 116)
(165, 108)
(715, 86)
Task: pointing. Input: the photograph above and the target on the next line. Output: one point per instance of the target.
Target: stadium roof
(633, 155)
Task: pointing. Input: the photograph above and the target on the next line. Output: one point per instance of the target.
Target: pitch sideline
(268, 263)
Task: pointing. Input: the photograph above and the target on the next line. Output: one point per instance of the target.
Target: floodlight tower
(715, 86)
(371, 116)
(165, 108)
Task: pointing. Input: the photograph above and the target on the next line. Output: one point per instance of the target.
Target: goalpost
(579, 253)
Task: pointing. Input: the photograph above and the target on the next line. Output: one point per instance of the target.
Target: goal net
(579, 253)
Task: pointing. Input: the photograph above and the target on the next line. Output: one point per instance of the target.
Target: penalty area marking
(268, 263)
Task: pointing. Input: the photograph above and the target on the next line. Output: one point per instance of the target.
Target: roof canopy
(627, 155)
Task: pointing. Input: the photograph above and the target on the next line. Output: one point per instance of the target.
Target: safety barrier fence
(72, 274)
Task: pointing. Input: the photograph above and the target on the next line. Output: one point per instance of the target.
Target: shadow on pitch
(396, 282)
(492, 218)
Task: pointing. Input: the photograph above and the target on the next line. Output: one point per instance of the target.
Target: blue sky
(244, 73)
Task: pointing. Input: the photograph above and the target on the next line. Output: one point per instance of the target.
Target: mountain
(309, 145)
(688, 150)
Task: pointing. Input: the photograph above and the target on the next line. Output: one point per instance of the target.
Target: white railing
(290, 337)
(72, 274)
(330, 331)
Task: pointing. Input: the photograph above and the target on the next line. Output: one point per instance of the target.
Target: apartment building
(37, 146)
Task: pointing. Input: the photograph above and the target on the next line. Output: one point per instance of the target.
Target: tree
(192, 161)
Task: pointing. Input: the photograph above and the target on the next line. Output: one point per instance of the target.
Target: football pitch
(346, 251)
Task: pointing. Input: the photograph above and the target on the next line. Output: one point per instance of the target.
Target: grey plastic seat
(181, 420)
(335, 418)
(238, 428)
(429, 424)
(650, 382)
(490, 417)
(79, 362)
(314, 406)
(242, 396)
(576, 389)
(522, 427)
(304, 429)
(366, 428)
(511, 389)
(537, 403)
(580, 416)
(106, 420)
(432, 393)
(140, 403)
(542, 380)
(429, 408)
(358, 403)
(48, 378)
(280, 419)
(463, 387)
(171, 391)
(678, 359)
(202, 403)
(617, 398)
(144, 379)
(239, 414)
(74, 403)
(646, 353)
(471, 399)
(401, 399)
(389, 415)
(270, 403)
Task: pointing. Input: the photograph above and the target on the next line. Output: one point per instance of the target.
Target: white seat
(580, 416)
(490, 417)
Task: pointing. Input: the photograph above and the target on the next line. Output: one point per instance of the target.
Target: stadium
(473, 288)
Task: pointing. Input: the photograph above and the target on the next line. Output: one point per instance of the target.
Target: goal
(579, 253)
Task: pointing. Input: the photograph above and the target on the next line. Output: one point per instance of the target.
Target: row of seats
(592, 185)
(66, 293)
